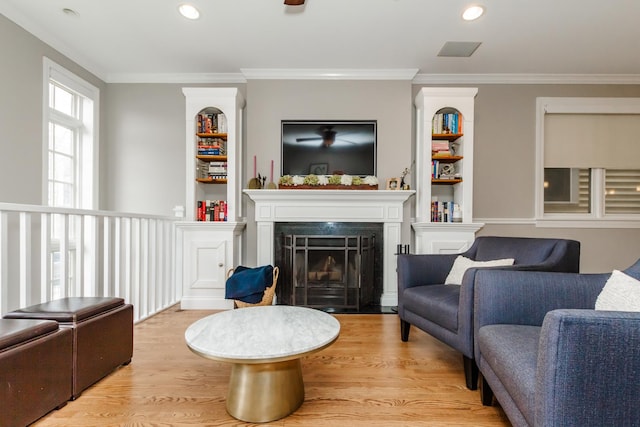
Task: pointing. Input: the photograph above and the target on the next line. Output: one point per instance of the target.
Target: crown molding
(564, 79)
(328, 74)
(370, 74)
(176, 78)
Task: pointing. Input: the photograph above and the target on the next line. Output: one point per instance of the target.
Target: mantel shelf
(334, 198)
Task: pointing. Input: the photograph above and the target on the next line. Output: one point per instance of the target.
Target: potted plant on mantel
(327, 182)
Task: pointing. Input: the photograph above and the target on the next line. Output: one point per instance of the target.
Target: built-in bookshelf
(209, 241)
(211, 139)
(444, 170)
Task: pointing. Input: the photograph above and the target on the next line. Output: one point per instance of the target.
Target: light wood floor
(368, 377)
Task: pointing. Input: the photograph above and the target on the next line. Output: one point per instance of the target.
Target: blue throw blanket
(248, 284)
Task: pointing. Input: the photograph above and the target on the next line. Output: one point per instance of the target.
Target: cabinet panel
(207, 262)
(205, 252)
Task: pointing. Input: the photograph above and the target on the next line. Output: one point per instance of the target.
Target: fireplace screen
(329, 271)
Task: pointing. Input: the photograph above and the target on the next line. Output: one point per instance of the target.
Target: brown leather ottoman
(102, 334)
(35, 369)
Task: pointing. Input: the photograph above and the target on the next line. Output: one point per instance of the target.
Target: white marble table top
(262, 334)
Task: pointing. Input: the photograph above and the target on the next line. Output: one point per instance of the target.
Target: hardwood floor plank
(368, 377)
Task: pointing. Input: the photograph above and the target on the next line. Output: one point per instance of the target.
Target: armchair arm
(588, 368)
(424, 269)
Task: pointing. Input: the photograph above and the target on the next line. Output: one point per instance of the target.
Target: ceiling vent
(459, 49)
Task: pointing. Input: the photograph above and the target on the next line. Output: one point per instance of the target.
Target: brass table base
(265, 392)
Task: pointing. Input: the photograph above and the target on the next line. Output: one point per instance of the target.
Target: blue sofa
(446, 311)
(548, 357)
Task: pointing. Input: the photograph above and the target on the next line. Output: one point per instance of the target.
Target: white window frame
(52, 70)
(596, 218)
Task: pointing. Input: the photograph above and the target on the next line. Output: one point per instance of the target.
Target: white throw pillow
(620, 293)
(461, 264)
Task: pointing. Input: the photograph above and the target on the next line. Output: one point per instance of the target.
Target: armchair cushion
(513, 351)
(439, 300)
(462, 264)
(620, 293)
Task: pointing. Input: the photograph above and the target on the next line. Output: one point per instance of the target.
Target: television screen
(329, 147)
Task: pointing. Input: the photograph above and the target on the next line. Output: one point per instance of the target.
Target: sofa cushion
(462, 264)
(512, 352)
(620, 293)
(440, 301)
(523, 250)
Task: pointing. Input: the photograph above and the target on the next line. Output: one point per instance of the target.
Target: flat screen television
(323, 147)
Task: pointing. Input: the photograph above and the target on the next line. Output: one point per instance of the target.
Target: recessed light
(189, 11)
(472, 12)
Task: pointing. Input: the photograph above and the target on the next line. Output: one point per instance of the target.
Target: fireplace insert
(335, 269)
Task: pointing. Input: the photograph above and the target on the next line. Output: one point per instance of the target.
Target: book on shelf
(211, 123)
(439, 146)
(217, 168)
(211, 210)
(444, 211)
(441, 154)
(444, 123)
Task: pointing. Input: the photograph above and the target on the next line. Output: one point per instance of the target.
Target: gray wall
(146, 149)
(270, 101)
(504, 173)
(142, 155)
(21, 111)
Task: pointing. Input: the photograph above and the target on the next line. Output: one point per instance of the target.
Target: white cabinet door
(205, 252)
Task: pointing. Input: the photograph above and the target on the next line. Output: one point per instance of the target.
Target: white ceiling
(147, 40)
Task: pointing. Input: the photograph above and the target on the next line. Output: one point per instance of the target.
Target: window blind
(592, 141)
(622, 191)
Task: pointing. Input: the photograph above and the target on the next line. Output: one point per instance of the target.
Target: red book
(216, 212)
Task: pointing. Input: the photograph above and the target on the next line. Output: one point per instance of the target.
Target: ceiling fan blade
(317, 138)
(294, 2)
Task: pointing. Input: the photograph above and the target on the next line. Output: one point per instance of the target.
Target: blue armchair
(446, 311)
(548, 357)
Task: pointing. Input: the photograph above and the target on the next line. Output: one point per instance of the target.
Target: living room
(132, 182)
(142, 127)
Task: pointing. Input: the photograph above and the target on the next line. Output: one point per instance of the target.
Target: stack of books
(211, 210)
(212, 147)
(440, 149)
(218, 170)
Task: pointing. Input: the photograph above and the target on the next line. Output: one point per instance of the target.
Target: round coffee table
(264, 344)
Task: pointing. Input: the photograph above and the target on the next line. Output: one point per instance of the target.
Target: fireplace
(382, 207)
(334, 266)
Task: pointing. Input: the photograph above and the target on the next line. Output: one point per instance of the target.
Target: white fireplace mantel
(384, 206)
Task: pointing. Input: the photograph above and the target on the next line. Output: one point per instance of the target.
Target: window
(587, 169)
(70, 113)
